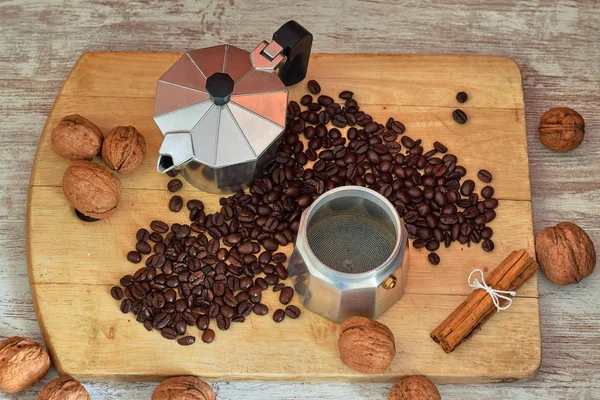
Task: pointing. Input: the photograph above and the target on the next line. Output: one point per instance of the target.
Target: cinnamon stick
(478, 307)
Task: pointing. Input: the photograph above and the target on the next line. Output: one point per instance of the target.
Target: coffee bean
(143, 247)
(168, 333)
(159, 226)
(278, 315)
(484, 175)
(440, 147)
(432, 245)
(339, 121)
(292, 311)
(398, 127)
(459, 116)
(487, 232)
(186, 340)
(490, 215)
(278, 287)
(434, 259)
(255, 293)
(208, 336)
(467, 187)
(293, 109)
(176, 203)
(346, 94)
(286, 294)
(203, 322)
(487, 245)
(195, 204)
(487, 192)
(461, 97)
(174, 185)
(260, 309)
(262, 282)
(134, 257)
(245, 307)
(116, 292)
(314, 87)
(142, 235)
(306, 99)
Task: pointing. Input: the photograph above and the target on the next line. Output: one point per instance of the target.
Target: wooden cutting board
(72, 264)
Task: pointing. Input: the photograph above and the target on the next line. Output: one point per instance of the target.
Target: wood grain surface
(554, 42)
(73, 265)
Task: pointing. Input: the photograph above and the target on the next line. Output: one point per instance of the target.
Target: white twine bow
(496, 295)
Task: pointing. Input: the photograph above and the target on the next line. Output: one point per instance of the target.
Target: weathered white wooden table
(556, 43)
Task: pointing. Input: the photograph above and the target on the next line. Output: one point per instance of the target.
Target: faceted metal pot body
(350, 257)
(222, 112)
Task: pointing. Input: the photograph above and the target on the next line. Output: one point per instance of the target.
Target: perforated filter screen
(351, 236)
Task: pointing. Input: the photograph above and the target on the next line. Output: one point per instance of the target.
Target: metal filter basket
(349, 257)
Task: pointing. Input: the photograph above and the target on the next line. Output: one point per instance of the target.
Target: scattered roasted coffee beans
(221, 264)
(459, 116)
(461, 97)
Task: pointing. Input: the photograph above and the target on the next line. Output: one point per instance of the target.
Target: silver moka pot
(222, 110)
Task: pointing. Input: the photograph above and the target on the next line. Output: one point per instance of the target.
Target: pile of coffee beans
(217, 266)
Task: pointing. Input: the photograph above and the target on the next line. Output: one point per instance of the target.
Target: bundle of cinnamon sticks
(467, 319)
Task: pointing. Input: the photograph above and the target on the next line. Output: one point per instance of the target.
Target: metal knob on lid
(222, 110)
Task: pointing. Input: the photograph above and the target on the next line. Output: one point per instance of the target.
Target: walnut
(183, 388)
(124, 149)
(415, 387)
(365, 345)
(22, 363)
(64, 388)
(76, 138)
(566, 253)
(561, 129)
(92, 189)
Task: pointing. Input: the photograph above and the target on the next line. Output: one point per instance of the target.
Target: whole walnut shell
(124, 149)
(365, 345)
(415, 387)
(22, 363)
(76, 138)
(566, 253)
(64, 388)
(92, 189)
(561, 129)
(183, 388)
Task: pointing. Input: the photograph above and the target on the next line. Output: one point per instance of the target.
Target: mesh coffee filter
(349, 257)
(351, 235)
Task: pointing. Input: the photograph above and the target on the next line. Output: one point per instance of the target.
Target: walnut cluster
(22, 363)
(183, 388)
(91, 189)
(415, 387)
(561, 129)
(565, 253)
(64, 388)
(366, 345)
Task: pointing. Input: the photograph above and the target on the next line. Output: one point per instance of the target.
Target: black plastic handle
(296, 43)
